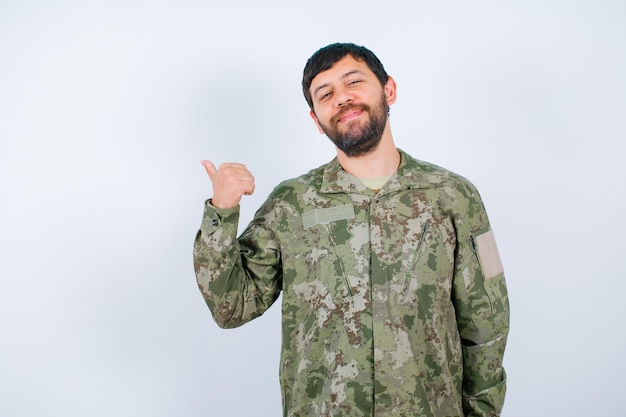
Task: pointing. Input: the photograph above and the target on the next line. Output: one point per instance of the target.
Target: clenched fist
(230, 182)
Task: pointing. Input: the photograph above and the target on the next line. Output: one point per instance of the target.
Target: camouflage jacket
(394, 303)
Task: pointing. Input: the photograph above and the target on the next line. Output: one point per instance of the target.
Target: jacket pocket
(490, 266)
(416, 255)
(340, 262)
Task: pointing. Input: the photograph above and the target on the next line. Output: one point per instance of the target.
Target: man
(394, 299)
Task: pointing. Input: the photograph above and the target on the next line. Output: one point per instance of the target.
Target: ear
(390, 91)
(317, 123)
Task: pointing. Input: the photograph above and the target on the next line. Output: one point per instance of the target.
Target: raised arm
(238, 278)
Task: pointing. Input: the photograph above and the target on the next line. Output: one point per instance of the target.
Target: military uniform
(394, 303)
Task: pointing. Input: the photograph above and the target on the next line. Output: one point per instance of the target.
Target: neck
(381, 162)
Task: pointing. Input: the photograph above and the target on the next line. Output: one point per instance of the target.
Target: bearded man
(394, 298)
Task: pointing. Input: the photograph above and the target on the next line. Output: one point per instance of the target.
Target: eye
(354, 82)
(324, 96)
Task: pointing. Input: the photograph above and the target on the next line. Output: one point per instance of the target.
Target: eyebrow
(343, 77)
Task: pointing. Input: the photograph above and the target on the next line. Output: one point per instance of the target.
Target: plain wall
(107, 108)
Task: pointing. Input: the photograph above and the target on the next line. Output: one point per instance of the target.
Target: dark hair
(327, 56)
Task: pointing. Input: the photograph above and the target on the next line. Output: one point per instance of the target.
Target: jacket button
(214, 222)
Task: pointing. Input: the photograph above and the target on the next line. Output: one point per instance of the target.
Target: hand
(230, 182)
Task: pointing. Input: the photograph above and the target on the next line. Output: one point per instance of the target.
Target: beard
(359, 138)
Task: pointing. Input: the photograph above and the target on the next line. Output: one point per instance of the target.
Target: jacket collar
(411, 174)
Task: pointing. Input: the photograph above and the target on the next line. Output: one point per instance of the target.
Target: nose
(343, 102)
(343, 97)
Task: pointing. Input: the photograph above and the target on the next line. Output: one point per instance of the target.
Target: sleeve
(482, 307)
(238, 278)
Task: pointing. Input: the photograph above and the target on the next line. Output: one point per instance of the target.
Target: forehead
(345, 66)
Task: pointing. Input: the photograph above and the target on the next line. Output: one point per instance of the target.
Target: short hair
(327, 56)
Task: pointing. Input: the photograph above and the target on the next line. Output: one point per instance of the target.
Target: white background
(107, 108)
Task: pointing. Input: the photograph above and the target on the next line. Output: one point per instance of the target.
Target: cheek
(319, 127)
(316, 121)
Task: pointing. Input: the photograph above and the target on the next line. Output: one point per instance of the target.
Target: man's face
(350, 106)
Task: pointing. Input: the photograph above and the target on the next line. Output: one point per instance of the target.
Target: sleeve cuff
(214, 218)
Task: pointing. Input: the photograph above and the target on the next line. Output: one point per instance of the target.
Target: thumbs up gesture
(230, 182)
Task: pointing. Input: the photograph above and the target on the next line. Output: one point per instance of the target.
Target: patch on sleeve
(331, 214)
(488, 255)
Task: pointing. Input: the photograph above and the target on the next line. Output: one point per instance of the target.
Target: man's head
(349, 94)
(327, 56)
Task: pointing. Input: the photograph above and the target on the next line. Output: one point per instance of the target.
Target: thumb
(210, 168)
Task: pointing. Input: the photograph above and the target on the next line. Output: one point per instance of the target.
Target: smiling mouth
(349, 114)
